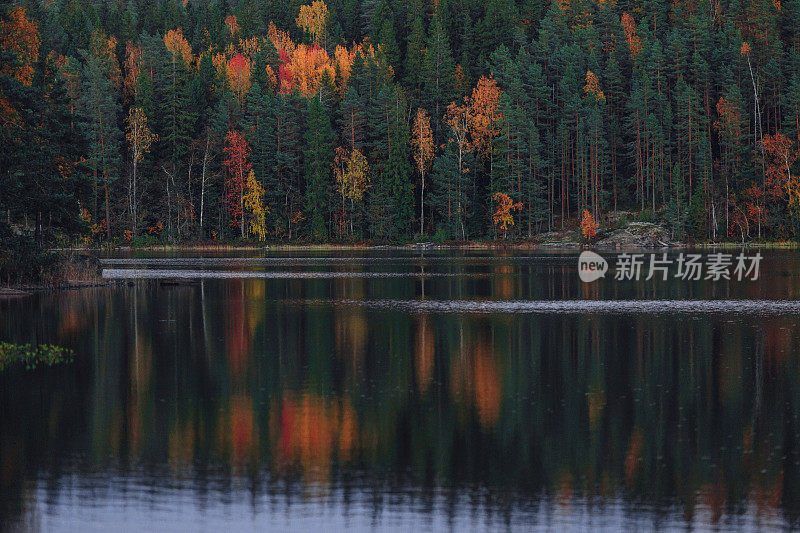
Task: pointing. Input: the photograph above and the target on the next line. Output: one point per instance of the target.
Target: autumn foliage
(313, 18)
(503, 216)
(422, 147)
(592, 87)
(178, 46)
(588, 225)
(238, 165)
(20, 36)
(512, 121)
(238, 70)
(629, 27)
(484, 112)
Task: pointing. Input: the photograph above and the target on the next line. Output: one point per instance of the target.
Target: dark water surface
(404, 391)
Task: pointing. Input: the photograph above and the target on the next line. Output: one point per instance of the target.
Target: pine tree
(286, 142)
(101, 109)
(317, 163)
(437, 76)
(415, 57)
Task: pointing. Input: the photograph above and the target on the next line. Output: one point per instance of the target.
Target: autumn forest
(157, 121)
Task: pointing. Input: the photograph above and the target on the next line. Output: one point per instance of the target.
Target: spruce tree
(317, 164)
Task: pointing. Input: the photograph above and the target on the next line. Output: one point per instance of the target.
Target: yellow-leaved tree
(313, 19)
(422, 146)
(139, 139)
(254, 205)
(352, 178)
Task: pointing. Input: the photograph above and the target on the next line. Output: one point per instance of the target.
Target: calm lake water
(403, 390)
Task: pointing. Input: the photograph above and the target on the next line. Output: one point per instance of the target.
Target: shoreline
(472, 245)
(27, 289)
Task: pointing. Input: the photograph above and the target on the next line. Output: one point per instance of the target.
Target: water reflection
(398, 401)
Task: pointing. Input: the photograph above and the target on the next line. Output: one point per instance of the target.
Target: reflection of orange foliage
(348, 432)
(243, 429)
(565, 487)
(768, 497)
(714, 496)
(310, 430)
(424, 354)
(634, 455)
(236, 331)
(480, 381)
(181, 444)
(351, 335)
(595, 402)
(486, 387)
(778, 339)
(503, 282)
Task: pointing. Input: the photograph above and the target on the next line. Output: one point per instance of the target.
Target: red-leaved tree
(237, 154)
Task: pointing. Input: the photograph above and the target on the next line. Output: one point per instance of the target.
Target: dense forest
(388, 120)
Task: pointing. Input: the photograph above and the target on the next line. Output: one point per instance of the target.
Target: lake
(404, 390)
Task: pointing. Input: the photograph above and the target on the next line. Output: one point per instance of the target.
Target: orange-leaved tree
(132, 68)
(239, 71)
(588, 225)
(422, 146)
(178, 47)
(19, 36)
(485, 114)
(503, 217)
(485, 117)
(233, 24)
(634, 43)
(239, 166)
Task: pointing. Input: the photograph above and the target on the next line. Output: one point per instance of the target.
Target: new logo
(591, 266)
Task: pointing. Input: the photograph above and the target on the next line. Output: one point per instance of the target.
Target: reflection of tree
(311, 432)
(424, 353)
(700, 412)
(236, 327)
(474, 378)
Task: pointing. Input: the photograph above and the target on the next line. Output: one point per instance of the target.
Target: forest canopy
(382, 120)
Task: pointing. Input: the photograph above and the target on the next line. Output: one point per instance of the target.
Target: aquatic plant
(32, 357)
